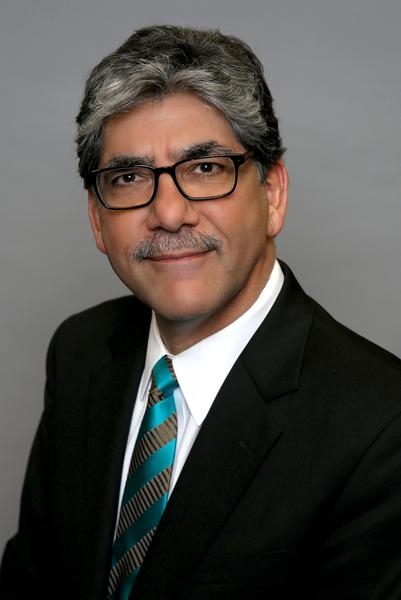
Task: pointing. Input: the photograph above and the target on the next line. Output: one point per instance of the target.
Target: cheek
(242, 225)
(119, 234)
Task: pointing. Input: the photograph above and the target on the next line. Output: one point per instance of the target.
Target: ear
(277, 196)
(95, 221)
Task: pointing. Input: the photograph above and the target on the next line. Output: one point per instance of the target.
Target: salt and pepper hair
(160, 60)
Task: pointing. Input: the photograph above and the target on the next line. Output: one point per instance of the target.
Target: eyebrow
(199, 150)
(203, 149)
(125, 161)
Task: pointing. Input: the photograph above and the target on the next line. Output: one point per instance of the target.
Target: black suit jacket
(292, 488)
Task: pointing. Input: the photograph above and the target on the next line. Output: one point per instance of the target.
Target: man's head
(191, 189)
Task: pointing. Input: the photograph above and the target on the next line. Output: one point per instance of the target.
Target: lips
(177, 256)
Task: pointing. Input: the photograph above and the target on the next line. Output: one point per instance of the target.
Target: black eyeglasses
(205, 178)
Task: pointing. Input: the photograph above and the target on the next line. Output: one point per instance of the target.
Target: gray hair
(156, 61)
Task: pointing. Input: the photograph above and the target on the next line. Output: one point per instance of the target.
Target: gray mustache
(164, 242)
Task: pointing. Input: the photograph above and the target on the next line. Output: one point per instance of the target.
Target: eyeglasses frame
(238, 160)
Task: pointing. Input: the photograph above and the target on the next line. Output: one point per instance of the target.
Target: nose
(170, 210)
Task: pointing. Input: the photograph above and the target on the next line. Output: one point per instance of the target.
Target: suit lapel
(235, 438)
(275, 354)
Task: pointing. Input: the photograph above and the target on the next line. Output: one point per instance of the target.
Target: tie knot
(163, 377)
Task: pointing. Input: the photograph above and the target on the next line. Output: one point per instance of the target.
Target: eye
(133, 176)
(124, 178)
(128, 177)
(208, 168)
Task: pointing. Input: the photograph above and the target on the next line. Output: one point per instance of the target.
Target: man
(280, 450)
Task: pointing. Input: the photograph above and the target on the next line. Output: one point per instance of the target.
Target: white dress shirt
(200, 371)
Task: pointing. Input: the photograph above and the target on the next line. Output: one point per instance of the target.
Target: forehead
(165, 128)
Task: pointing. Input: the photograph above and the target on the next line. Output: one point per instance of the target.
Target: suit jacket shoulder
(98, 335)
(125, 317)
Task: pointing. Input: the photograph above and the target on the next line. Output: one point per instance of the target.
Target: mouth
(183, 256)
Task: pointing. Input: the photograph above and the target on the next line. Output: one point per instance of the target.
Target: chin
(179, 314)
(177, 303)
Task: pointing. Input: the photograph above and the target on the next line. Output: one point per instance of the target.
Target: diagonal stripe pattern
(146, 489)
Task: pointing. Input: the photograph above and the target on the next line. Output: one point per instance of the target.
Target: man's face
(190, 288)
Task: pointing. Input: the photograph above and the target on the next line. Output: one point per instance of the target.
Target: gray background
(334, 69)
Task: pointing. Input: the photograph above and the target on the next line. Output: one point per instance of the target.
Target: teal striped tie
(146, 489)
